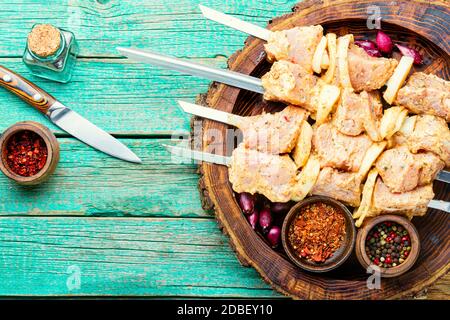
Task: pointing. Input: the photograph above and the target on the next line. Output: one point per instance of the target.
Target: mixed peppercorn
(26, 153)
(317, 232)
(388, 244)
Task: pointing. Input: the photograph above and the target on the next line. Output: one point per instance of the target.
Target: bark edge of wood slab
(418, 23)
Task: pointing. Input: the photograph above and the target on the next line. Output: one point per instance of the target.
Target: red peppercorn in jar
(29, 153)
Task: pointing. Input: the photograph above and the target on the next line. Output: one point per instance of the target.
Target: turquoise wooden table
(118, 228)
(105, 227)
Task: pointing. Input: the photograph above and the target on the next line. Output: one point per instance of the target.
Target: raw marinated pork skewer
(285, 82)
(403, 171)
(274, 176)
(271, 133)
(332, 148)
(423, 94)
(426, 94)
(306, 46)
(292, 84)
(378, 198)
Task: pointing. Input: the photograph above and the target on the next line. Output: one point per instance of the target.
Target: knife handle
(25, 90)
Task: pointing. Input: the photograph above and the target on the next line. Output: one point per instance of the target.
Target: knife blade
(85, 131)
(198, 155)
(65, 118)
(231, 78)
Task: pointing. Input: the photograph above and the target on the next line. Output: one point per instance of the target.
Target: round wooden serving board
(421, 24)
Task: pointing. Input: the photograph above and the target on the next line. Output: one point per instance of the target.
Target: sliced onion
(384, 42)
(366, 44)
(273, 236)
(409, 52)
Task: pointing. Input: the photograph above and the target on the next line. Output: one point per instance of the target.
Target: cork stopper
(44, 40)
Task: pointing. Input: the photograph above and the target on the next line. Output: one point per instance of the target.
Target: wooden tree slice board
(422, 24)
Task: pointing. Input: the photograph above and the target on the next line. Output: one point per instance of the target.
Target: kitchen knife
(63, 117)
(222, 160)
(231, 78)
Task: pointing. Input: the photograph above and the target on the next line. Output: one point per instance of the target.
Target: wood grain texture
(350, 281)
(121, 256)
(120, 96)
(175, 28)
(106, 90)
(87, 183)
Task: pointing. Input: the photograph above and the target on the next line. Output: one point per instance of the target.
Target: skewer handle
(212, 114)
(235, 23)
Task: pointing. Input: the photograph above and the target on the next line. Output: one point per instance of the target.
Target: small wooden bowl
(410, 260)
(52, 157)
(339, 256)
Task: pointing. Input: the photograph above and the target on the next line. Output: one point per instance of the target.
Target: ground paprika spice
(317, 232)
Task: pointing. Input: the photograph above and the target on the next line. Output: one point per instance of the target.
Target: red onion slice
(409, 52)
(366, 44)
(265, 219)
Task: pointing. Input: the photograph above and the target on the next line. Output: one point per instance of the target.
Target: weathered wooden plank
(88, 182)
(172, 27)
(121, 256)
(118, 95)
(142, 97)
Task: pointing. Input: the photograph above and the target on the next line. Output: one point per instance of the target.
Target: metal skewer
(235, 23)
(231, 78)
(198, 155)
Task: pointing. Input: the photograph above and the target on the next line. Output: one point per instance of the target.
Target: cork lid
(44, 40)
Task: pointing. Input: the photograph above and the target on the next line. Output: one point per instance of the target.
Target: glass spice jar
(51, 52)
